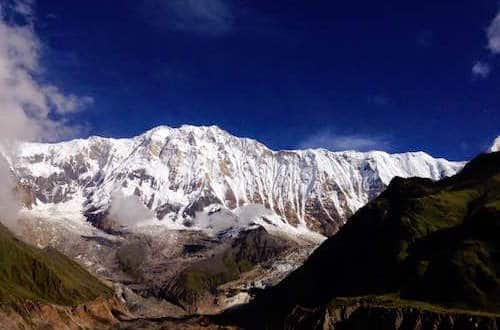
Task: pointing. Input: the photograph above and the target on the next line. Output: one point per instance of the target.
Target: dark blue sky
(391, 75)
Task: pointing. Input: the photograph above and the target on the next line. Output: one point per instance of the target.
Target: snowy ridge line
(495, 147)
(178, 172)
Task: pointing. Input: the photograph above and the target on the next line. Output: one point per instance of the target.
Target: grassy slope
(27, 273)
(420, 241)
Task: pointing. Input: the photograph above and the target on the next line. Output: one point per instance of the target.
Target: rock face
(365, 316)
(98, 314)
(197, 287)
(177, 172)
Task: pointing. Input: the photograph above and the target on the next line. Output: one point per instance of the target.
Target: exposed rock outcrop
(367, 316)
(99, 314)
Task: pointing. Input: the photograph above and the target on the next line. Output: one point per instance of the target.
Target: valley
(194, 217)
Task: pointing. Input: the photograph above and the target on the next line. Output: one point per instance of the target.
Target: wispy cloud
(27, 106)
(493, 34)
(481, 70)
(203, 17)
(330, 140)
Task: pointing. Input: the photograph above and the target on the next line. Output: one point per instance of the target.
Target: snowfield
(178, 174)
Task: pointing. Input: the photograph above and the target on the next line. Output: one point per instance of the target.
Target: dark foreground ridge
(423, 255)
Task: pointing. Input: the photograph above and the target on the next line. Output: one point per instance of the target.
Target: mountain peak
(179, 172)
(163, 131)
(186, 128)
(495, 147)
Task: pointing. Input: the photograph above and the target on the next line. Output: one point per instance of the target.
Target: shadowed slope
(420, 240)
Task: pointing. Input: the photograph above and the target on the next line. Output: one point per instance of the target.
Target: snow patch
(495, 147)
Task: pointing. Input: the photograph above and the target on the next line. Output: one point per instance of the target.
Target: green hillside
(434, 243)
(27, 273)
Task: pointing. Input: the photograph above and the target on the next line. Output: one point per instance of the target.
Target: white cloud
(493, 34)
(336, 142)
(128, 210)
(26, 105)
(66, 103)
(481, 70)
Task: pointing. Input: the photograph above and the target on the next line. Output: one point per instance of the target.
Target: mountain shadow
(421, 245)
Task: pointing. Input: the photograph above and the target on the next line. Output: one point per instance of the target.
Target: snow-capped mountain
(178, 172)
(495, 147)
